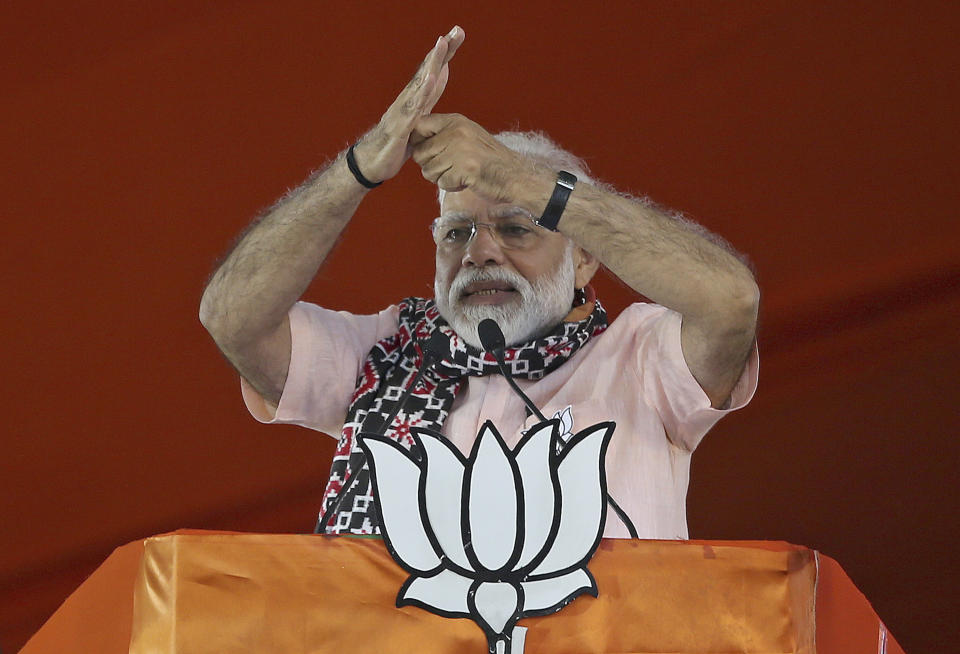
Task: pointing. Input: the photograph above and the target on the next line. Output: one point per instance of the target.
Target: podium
(194, 592)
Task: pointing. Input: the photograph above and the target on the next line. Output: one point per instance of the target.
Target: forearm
(246, 303)
(665, 258)
(675, 263)
(272, 264)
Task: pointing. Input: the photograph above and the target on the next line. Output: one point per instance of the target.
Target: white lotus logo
(499, 535)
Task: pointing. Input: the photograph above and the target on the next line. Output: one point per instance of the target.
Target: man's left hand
(456, 153)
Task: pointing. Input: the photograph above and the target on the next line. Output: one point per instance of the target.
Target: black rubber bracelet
(352, 165)
(558, 201)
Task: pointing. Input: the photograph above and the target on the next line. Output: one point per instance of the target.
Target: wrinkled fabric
(392, 365)
(201, 594)
(633, 373)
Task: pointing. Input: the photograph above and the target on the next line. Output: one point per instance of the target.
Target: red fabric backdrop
(139, 138)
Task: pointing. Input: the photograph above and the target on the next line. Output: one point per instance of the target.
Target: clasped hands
(452, 151)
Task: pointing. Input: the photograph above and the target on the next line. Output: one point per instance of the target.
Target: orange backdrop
(139, 138)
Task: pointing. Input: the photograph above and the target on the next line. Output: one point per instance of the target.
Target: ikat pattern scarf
(388, 370)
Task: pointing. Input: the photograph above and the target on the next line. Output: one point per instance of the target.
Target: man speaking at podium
(521, 232)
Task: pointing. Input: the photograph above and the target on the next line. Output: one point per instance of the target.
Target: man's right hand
(383, 150)
(246, 304)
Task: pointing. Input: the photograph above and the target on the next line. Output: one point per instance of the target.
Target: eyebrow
(509, 212)
(454, 215)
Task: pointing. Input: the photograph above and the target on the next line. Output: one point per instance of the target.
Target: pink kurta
(634, 374)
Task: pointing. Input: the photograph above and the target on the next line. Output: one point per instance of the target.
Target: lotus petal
(539, 492)
(552, 594)
(445, 591)
(396, 480)
(443, 490)
(492, 502)
(582, 500)
(566, 427)
(497, 603)
(566, 421)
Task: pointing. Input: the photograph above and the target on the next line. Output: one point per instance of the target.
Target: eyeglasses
(515, 232)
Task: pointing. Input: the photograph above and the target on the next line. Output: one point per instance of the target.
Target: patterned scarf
(391, 366)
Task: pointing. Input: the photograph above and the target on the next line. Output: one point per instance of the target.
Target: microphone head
(491, 336)
(437, 347)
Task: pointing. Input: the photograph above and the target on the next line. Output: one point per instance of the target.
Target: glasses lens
(452, 232)
(515, 232)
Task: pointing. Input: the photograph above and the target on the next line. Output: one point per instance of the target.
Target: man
(665, 372)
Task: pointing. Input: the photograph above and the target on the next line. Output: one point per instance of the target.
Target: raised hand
(384, 149)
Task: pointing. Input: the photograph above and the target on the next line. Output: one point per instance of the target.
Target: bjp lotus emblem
(496, 536)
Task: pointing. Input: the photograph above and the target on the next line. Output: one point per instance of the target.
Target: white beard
(543, 303)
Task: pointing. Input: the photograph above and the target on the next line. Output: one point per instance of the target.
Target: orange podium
(197, 592)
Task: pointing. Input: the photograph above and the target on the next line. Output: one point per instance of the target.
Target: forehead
(467, 204)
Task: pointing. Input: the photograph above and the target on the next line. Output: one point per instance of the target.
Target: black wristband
(558, 201)
(352, 165)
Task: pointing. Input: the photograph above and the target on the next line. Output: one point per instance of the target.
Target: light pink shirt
(634, 374)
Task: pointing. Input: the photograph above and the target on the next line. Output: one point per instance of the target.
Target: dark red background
(139, 138)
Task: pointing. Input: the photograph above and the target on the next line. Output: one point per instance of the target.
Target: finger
(420, 102)
(423, 90)
(449, 181)
(430, 101)
(440, 174)
(435, 59)
(439, 63)
(429, 66)
(401, 116)
(433, 124)
(454, 40)
(416, 96)
(428, 154)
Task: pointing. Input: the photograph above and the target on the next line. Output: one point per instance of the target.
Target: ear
(585, 265)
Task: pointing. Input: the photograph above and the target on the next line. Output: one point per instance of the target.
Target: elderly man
(516, 244)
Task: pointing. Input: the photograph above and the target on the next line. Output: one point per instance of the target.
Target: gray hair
(541, 147)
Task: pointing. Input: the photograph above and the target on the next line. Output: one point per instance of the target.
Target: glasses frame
(475, 225)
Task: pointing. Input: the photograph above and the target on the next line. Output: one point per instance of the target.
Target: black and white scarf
(388, 370)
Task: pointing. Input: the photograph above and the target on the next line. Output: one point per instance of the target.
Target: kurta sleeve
(667, 383)
(328, 349)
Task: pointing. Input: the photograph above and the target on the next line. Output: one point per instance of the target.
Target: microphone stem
(526, 400)
(498, 354)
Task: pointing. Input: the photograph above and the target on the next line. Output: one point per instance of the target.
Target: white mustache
(541, 304)
(469, 276)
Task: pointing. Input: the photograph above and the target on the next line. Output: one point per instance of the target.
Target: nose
(483, 249)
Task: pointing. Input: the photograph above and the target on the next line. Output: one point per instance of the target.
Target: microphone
(436, 348)
(491, 337)
(493, 341)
